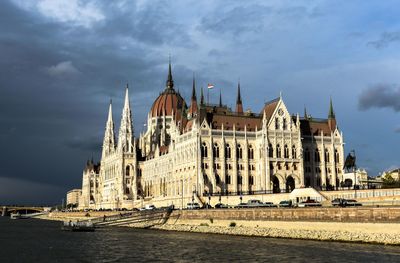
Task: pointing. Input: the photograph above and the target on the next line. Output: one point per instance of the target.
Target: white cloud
(77, 12)
(65, 68)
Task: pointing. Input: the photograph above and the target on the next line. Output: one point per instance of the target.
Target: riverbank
(379, 226)
(376, 233)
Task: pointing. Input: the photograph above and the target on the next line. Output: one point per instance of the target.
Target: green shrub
(203, 224)
(232, 224)
(211, 220)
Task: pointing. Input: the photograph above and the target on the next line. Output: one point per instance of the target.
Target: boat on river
(77, 226)
(18, 216)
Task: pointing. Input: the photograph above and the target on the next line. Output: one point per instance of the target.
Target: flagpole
(208, 95)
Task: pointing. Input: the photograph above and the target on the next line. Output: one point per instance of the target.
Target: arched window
(284, 125)
(270, 150)
(336, 156)
(216, 150)
(317, 157)
(276, 124)
(228, 151)
(326, 155)
(204, 150)
(307, 155)
(286, 151)
(127, 171)
(294, 155)
(239, 151)
(278, 151)
(251, 152)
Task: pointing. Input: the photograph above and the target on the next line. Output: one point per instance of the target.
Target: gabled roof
(314, 127)
(270, 107)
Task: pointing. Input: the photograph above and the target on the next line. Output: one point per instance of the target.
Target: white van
(149, 207)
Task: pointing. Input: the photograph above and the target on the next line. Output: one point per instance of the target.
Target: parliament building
(192, 152)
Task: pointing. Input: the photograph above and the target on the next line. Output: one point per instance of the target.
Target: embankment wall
(356, 214)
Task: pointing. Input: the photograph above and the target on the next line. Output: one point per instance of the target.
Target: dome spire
(170, 81)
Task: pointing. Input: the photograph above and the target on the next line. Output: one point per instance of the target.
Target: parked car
(337, 202)
(309, 203)
(242, 205)
(351, 202)
(221, 205)
(269, 204)
(206, 206)
(253, 203)
(193, 206)
(286, 203)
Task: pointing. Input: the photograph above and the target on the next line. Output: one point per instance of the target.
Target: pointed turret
(109, 137)
(170, 81)
(305, 112)
(193, 101)
(220, 98)
(194, 89)
(201, 97)
(331, 116)
(125, 137)
(239, 105)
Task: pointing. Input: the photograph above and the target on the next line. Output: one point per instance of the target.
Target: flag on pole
(210, 86)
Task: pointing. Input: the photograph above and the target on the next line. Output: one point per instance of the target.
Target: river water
(33, 240)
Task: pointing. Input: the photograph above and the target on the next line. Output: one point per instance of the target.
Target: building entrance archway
(290, 184)
(275, 185)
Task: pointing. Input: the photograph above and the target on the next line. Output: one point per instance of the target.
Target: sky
(61, 61)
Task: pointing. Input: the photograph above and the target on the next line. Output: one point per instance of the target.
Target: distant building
(394, 174)
(73, 197)
(192, 152)
(360, 177)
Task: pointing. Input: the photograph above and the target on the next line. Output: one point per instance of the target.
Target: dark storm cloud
(236, 21)
(380, 96)
(57, 78)
(88, 144)
(151, 24)
(385, 39)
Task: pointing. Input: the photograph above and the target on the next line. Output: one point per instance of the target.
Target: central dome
(169, 101)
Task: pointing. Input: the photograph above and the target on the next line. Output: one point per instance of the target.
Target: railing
(256, 192)
(366, 194)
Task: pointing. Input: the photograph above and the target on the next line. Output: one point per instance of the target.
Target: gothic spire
(194, 89)
(239, 105)
(239, 97)
(331, 117)
(331, 114)
(193, 103)
(305, 112)
(170, 81)
(125, 137)
(109, 137)
(201, 97)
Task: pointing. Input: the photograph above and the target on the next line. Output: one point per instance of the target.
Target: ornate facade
(188, 152)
